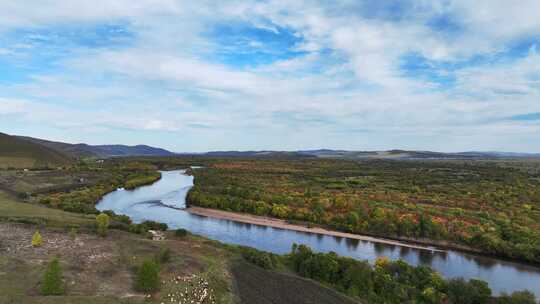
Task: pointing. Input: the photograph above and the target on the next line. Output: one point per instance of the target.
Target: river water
(163, 200)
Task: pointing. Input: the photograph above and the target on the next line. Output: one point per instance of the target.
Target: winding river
(163, 202)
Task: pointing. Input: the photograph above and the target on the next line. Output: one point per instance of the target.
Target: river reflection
(163, 200)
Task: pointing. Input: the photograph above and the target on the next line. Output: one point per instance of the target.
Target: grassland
(11, 210)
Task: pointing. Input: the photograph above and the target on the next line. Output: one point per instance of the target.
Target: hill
(19, 153)
(85, 150)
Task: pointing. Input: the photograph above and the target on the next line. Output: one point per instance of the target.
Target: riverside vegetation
(487, 206)
(327, 192)
(385, 282)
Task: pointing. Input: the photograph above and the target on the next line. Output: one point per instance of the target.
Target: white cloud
(169, 80)
(11, 106)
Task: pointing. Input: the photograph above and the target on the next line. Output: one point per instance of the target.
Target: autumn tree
(102, 223)
(37, 240)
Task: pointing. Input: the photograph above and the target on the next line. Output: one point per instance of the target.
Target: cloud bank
(197, 76)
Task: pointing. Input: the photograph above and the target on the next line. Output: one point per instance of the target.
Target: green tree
(102, 223)
(181, 232)
(472, 292)
(147, 279)
(52, 279)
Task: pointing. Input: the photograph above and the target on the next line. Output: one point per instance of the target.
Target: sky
(194, 76)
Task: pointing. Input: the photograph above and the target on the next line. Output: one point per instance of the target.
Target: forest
(486, 206)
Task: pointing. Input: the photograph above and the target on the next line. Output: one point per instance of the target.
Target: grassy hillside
(19, 153)
(99, 151)
(11, 210)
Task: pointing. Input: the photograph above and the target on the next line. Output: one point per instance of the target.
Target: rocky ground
(103, 268)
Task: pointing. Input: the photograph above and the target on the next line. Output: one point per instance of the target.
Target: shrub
(52, 279)
(37, 240)
(122, 219)
(102, 222)
(163, 256)
(22, 195)
(517, 297)
(260, 258)
(147, 279)
(151, 225)
(73, 233)
(181, 232)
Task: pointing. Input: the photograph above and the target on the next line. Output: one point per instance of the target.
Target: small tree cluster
(181, 232)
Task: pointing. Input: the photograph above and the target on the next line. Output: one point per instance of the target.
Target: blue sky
(284, 75)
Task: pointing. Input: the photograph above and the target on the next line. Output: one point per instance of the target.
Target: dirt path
(281, 224)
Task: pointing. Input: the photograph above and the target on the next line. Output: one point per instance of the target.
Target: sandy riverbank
(281, 224)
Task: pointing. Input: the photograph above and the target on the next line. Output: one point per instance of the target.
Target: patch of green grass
(16, 162)
(12, 272)
(11, 210)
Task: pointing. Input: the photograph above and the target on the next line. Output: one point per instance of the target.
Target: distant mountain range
(391, 154)
(22, 151)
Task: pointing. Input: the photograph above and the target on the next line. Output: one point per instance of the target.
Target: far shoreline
(281, 224)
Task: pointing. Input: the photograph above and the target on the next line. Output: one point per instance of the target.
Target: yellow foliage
(37, 240)
(102, 222)
(382, 262)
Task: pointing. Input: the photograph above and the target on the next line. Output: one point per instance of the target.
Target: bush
(122, 219)
(163, 256)
(73, 233)
(37, 240)
(262, 259)
(518, 297)
(151, 225)
(147, 279)
(52, 279)
(181, 232)
(102, 223)
(23, 195)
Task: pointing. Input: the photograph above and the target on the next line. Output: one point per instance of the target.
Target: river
(163, 201)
